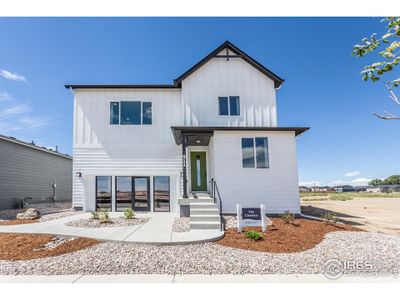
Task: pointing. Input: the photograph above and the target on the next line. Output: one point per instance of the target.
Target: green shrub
(254, 235)
(287, 217)
(330, 218)
(104, 216)
(129, 213)
(95, 215)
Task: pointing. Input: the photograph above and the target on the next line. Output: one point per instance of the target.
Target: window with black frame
(131, 113)
(161, 193)
(255, 153)
(123, 187)
(103, 192)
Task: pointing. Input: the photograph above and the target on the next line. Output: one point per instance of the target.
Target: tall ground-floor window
(161, 193)
(123, 198)
(103, 192)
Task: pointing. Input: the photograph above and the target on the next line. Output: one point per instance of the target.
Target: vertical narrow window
(198, 169)
(234, 105)
(223, 106)
(103, 192)
(248, 152)
(161, 193)
(147, 113)
(131, 113)
(114, 113)
(262, 153)
(123, 186)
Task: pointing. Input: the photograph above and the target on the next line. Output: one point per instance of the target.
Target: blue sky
(322, 87)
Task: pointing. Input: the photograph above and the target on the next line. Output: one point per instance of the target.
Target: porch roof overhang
(200, 135)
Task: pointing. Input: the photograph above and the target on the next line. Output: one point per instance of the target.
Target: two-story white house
(150, 147)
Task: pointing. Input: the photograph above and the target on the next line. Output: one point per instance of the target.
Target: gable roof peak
(227, 44)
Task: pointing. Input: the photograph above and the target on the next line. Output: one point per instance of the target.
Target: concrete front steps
(204, 213)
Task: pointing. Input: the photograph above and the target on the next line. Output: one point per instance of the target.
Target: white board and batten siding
(276, 186)
(102, 149)
(219, 77)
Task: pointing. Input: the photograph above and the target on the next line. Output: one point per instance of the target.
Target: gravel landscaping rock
(54, 242)
(209, 258)
(53, 216)
(114, 222)
(181, 225)
(47, 212)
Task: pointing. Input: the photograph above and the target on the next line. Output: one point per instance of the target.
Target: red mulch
(280, 237)
(16, 222)
(24, 246)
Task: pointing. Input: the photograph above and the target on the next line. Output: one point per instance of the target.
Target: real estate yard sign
(250, 216)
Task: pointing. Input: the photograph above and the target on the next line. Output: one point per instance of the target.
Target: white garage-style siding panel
(219, 77)
(116, 150)
(276, 186)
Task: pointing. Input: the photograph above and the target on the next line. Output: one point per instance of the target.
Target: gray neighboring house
(28, 170)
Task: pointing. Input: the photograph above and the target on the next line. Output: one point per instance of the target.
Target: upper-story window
(229, 106)
(131, 113)
(255, 153)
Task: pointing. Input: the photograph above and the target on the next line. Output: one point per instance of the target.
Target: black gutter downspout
(184, 166)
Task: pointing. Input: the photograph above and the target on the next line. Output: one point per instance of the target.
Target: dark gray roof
(178, 81)
(178, 130)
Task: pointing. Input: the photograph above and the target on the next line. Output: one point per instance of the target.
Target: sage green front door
(198, 171)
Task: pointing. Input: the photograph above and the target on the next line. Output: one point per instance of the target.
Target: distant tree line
(394, 179)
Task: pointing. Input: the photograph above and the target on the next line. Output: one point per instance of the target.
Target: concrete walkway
(161, 278)
(157, 230)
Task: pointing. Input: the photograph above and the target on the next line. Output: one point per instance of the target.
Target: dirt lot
(371, 214)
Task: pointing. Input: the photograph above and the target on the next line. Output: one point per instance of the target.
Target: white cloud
(15, 110)
(4, 96)
(337, 182)
(20, 118)
(32, 123)
(352, 174)
(12, 76)
(360, 181)
(310, 183)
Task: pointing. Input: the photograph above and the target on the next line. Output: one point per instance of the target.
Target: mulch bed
(17, 222)
(280, 237)
(28, 246)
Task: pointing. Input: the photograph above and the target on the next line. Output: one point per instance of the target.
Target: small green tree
(389, 58)
(394, 179)
(376, 182)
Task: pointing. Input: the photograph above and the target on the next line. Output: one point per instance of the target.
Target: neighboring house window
(229, 106)
(114, 113)
(131, 113)
(255, 153)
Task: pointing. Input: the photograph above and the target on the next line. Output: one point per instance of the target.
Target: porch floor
(157, 230)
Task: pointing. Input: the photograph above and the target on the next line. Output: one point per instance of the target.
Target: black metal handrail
(217, 200)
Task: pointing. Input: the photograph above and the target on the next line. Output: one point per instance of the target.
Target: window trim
(255, 152)
(141, 112)
(229, 107)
